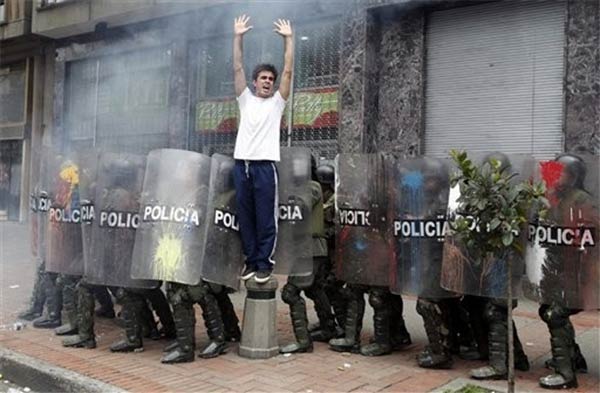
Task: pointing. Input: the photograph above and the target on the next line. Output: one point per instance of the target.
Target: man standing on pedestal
(257, 150)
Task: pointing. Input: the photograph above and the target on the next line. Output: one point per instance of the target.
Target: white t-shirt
(258, 131)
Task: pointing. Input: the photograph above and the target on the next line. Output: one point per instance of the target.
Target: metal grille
(316, 81)
(119, 102)
(313, 106)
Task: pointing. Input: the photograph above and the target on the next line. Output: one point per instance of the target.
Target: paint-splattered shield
(418, 205)
(43, 203)
(34, 225)
(462, 272)
(563, 258)
(223, 259)
(293, 254)
(88, 172)
(117, 205)
(364, 246)
(64, 252)
(169, 243)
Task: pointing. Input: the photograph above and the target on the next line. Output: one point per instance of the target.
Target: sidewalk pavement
(320, 371)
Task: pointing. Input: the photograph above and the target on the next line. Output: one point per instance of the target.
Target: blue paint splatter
(413, 180)
(360, 245)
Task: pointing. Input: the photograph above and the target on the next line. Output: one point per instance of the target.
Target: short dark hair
(264, 67)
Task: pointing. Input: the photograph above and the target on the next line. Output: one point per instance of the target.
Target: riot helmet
(435, 175)
(123, 172)
(325, 174)
(574, 171)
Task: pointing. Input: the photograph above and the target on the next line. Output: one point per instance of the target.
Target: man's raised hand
(240, 25)
(283, 27)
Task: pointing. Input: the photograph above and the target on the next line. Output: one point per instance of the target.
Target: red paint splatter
(551, 172)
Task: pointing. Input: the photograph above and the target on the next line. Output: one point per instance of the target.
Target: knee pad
(196, 292)
(493, 312)
(377, 299)
(554, 316)
(290, 293)
(120, 294)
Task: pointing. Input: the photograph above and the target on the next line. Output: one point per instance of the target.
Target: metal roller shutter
(494, 78)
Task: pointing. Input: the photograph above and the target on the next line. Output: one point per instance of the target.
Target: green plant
(493, 209)
(470, 389)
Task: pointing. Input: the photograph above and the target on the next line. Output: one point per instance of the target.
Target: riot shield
(169, 242)
(364, 248)
(461, 271)
(43, 203)
(223, 259)
(118, 188)
(88, 172)
(34, 224)
(563, 258)
(418, 206)
(293, 254)
(64, 247)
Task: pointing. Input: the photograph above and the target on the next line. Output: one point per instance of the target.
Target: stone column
(582, 77)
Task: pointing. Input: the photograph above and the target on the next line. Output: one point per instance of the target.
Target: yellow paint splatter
(168, 255)
(69, 172)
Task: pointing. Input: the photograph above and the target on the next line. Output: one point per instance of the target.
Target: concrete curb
(44, 377)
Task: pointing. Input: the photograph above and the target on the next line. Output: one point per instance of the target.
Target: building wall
(582, 80)
(382, 68)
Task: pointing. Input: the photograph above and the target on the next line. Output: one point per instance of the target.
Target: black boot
(38, 297)
(133, 305)
(437, 354)
(182, 349)
(498, 339)
(521, 360)
(381, 344)
(338, 300)
(291, 296)
(399, 335)
(214, 327)
(85, 321)
(580, 362)
(53, 304)
(69, 296)
(163, 310)
(149, 326)
(107, 308)
(327, 328)
(230, 319)
(353, 325)
(475, 308)
(562, 339)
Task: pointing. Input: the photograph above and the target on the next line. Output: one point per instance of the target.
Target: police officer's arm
(240, 27)
(284, 28)
(316, 194)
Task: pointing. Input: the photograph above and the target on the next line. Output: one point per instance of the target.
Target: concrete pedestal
(259, 330)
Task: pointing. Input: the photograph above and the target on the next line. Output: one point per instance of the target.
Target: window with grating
(12, 94)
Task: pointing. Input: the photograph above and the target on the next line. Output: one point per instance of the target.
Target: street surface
(322, 370)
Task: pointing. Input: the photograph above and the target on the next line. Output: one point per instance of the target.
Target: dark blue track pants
(257, 210)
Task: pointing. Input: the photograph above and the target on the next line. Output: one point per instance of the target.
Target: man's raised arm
(284, 28)
(240, 27)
